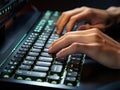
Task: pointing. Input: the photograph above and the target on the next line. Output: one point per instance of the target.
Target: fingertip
(50, 50)
(58, 32)
(59, 55)
(69, 28)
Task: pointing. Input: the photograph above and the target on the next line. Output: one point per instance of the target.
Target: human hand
(97, 18)
(93, 43)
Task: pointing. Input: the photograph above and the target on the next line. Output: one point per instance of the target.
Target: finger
(64, 18)
(75, 18)
(84, 27)
(78, 48)
(59, 44)
(67, 34)
(88, 26)
(79, 33)
(71, 38)
(75, 33)
(62, 21)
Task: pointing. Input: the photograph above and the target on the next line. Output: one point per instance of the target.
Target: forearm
(114, 13)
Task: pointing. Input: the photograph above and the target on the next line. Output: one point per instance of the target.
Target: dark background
(70, 4)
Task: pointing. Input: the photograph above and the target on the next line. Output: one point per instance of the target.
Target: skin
(97, 18)
(90, 38)
(93, 43)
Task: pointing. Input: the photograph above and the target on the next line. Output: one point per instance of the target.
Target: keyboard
(31, 64)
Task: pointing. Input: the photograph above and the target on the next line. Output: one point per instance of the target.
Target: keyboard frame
(22, 83)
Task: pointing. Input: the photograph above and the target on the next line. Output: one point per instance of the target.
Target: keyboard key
(6, 73)
(54, 79)
(46, 54)
(46, 59)
(25, 67)
(41, 68)
(37, 47)
(27, 62)
(45, 64)
(70, 80)
(31, 74)
(39, 44)
(56, 69)
(34, 54)
(72, 73)
(31, 58)
(45, 49)
(35, 50)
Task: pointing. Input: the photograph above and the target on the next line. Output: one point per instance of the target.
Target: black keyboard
(31, 64)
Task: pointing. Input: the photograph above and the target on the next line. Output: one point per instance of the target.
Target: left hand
(97, 18)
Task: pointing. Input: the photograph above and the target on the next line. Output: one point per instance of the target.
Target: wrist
(114, 15)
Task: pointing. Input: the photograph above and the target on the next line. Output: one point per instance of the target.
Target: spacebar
(31, 74)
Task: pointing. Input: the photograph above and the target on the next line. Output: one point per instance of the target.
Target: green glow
(29, 79)
(19, 78)
(69, 84)
(39, 80)
(54, 82)
(13, 50)
(6, 76)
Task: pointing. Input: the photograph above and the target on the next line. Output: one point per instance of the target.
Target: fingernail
(58, 32)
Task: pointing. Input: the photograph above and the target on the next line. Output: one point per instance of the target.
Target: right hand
(96, 17)
(92, 42)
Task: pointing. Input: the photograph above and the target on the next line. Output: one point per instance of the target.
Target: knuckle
(96, 30)
(67, 36)
(75, 46)
(84, 7)
(77, 8)
(73, 18)
(89, 10)
(55, 42)
(64, 13)
(97, 38)
(112, 7)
